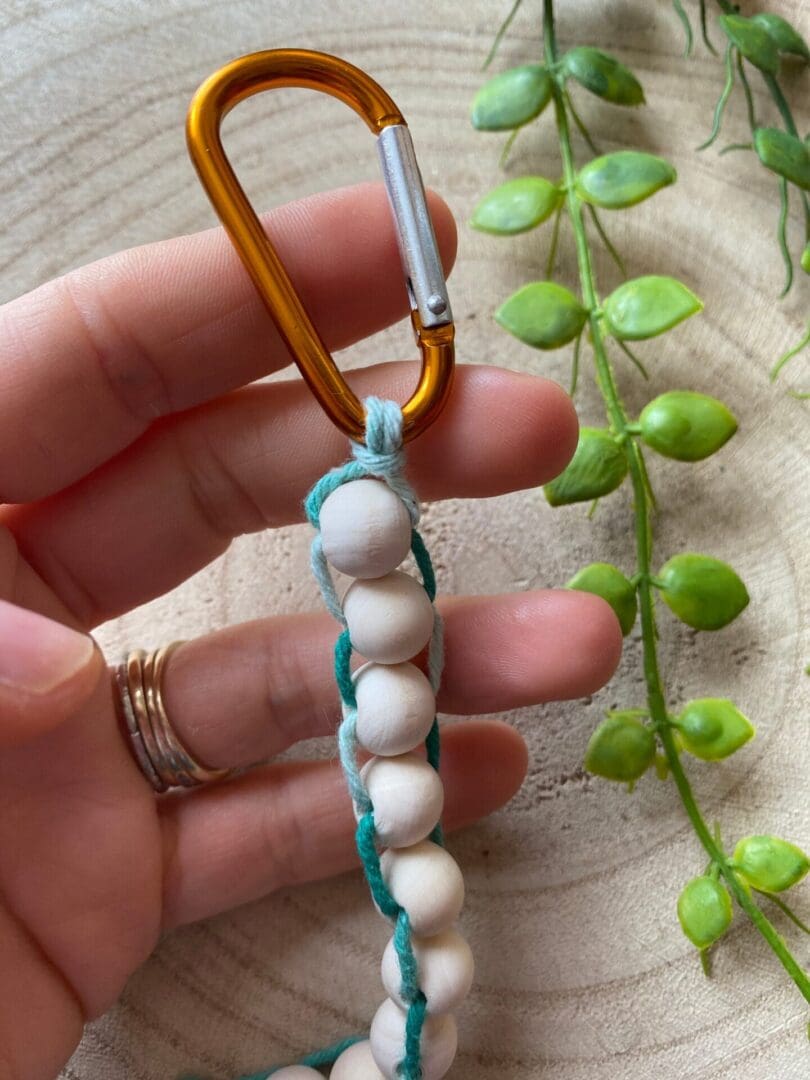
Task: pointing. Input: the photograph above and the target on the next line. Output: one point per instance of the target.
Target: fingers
(289, 823)
(81, 851)
(41, 1021)
(246, 462)
(91, 360)
(247, 693)
(47, 671)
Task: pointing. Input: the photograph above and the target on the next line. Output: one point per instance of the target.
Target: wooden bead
(297, 1072)
(445, 965)
(395, 708)
(365, 529)
(389, 618)
(438, 1045)
(426, 881)
(356, 1063)
(407, 796)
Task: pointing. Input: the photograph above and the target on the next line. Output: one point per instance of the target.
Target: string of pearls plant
(700, 590)
(762, 43)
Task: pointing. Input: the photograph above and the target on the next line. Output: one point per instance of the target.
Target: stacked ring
(161, 755)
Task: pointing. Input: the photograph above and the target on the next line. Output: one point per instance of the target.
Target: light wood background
(582, 969)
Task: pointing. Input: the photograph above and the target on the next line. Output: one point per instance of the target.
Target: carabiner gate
(427, 291)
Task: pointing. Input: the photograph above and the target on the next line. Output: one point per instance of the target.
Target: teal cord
(381, 457)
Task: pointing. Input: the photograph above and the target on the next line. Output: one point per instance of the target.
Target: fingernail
(36, 653)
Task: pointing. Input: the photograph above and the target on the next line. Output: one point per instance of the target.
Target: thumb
(47, 671)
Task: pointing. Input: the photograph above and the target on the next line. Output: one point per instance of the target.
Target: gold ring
(161, 755)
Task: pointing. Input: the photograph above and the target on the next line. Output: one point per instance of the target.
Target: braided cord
(383, 458)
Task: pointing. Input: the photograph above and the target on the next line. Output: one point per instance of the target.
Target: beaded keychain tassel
(365, 515)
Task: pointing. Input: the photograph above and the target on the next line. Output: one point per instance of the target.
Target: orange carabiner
(430, 307)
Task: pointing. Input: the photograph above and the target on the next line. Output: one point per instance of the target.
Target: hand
(133, 450)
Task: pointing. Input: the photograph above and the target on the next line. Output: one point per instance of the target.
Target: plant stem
(770, 80)
(656, 700)
(782, 105)
(507, 22)
(802, 344)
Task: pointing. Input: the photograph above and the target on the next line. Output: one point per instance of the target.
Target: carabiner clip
(430, 306)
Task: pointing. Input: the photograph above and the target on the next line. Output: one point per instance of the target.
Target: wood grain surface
(583, 973)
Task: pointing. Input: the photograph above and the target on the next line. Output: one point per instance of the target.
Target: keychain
(365, 516)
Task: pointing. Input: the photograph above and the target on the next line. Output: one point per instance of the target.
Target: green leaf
(621, 749)
(542, 314)
(603, 579)
(784, 154)
(648, 306)
(686, 426)
(616, 181)
(782, 34)
(713, 728)
(598, 467)
(703, 592)
(512, 98)
(602, 75)
(805, 259)
(770, 864)
(704, 911)
(516, 206)
(754, 42)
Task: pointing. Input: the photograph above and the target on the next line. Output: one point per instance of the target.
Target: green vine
(702, 591)
(761, 43)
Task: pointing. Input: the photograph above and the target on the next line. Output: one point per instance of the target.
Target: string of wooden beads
(366, 517)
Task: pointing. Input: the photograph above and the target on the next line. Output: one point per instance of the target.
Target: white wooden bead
(395, 708)
(297, 1072)
(407, 796)
(389, 618)
(365, 529)
(426, 881)
(356, 1063)
(445, 966)
(438, 1046)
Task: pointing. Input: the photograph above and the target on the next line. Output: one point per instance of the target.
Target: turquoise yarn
(382, 457)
